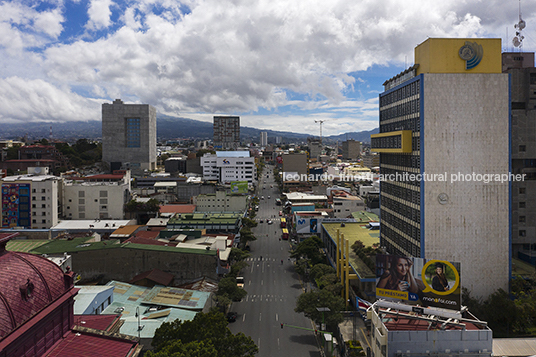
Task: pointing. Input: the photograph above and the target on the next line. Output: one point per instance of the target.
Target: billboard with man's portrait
(429, 282)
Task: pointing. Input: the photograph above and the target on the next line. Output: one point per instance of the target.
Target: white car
(269, 222)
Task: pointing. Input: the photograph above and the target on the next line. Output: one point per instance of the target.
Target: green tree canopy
(227, 287)
(210, 329)
(309, 249)
(320, 270)
(308, 302)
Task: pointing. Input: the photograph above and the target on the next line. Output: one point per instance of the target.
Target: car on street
(231, 316)
(261, 221)
(269, 222)
(268, 197)
(262, 197)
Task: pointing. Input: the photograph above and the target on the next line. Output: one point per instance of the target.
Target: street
(272, 287)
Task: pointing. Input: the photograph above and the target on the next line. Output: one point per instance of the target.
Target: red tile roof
(177, 209)
(77, 344)
(28, 284)
(97, 322)
(156, 275)
(147, 234)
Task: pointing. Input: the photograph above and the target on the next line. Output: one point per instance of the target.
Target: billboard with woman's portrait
(418, 281)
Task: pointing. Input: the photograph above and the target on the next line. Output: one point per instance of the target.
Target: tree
(238, 255)
(308, 302)
(227, 287)
(210, 329)
(192, 349)
(249, 223)
(309, 249)
(246, 235)
(320, 270)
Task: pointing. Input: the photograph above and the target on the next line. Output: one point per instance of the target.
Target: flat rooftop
(354, 231)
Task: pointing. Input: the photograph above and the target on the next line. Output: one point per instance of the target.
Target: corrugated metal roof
(76, 344)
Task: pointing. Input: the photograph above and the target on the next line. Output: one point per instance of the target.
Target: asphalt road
(273, 288)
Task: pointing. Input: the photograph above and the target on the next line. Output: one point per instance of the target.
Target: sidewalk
(347, 331)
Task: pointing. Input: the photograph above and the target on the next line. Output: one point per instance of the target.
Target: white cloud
(99, 14)
(239, 56)
(37, 100)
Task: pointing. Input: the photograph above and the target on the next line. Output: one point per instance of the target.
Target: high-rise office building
(264, 138)
(444, 124)
(520, 66)
(129, 136)
(351, 149)
(226, 132)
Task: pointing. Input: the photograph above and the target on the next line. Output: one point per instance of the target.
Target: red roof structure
(152, 278)
(177, 209)
(109, 323)
(77, 344)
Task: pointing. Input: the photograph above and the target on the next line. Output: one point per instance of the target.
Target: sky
(278, 64)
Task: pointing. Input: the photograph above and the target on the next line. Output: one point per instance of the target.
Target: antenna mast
(517, 41)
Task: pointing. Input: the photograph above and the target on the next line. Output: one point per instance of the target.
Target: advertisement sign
(239, 187)
(418, 281)
(313, 222)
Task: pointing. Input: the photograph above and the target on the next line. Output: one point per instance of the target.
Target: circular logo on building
(466, 52)
(443, 198)
(471, 53)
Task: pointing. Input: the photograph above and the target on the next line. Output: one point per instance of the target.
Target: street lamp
(323, 326)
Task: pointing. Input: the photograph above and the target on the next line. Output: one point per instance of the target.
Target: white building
(96, 197)
(220, 201)
(30, 201)
(228, 166)
(343, 206)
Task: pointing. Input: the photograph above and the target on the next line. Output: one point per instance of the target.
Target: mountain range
(167, 127)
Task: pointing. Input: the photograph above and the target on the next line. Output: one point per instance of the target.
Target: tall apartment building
(264, 138)
(226, 132)
(129, 136)
(448, 116)
(351, 149)
(30, 201)
(520, 66)
(295, 163)
(228, 166)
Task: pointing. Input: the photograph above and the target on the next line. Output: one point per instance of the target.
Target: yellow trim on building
(405, 141)
(441, 55)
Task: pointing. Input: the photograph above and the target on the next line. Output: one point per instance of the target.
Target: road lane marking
(260, 316)
(262, 282)
(244, 317)
(259, 344)
(276, 317)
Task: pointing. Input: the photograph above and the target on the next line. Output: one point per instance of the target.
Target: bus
(283, 222)
(285, 234)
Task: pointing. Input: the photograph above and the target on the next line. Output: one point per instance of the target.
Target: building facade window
(133, 132)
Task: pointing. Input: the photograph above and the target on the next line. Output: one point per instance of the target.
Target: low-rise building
(96, 197)
(221, 201)
(403, 330)
(344, 205)
(30, 201)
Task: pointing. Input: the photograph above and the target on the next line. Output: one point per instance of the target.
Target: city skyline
(276, 65)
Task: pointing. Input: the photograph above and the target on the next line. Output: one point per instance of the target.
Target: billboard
(428, 283)
(239, 187)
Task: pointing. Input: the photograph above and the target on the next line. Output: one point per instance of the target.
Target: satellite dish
(516, 42)
(37, 170)
(521, 25)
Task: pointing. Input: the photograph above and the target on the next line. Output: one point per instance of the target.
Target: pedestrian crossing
(264, 297)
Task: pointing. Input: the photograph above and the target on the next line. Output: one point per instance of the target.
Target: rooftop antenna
(517, 41)
(321, 122)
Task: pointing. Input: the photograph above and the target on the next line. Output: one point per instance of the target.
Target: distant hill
(167, 127)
